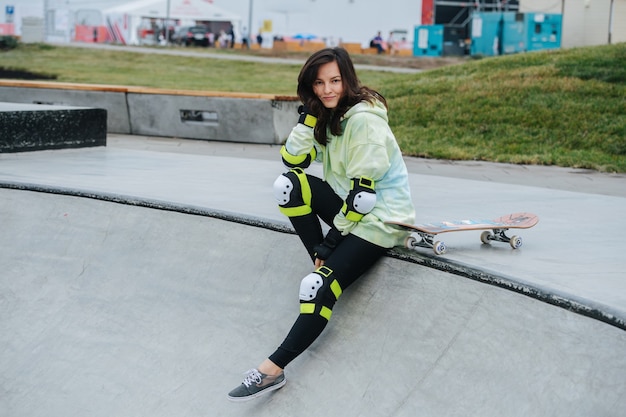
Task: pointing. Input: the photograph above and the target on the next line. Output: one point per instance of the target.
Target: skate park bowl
(125, 307)
(134, 304)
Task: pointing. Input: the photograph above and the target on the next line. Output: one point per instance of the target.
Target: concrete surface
(122, 309)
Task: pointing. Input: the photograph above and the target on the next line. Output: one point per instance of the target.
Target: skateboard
(423, 235)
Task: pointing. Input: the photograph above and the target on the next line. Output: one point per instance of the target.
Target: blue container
(486, 33)
(498, 33)
(428, 40)
(543, 31)
(513, 33)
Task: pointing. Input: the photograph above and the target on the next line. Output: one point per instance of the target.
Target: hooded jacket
(366, 148)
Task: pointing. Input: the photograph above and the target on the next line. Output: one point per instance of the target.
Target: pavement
(227, 57)
(144, 277)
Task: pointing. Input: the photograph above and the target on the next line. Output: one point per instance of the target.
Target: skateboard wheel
(410, 242)
(439, 248)
(485, 237)
(515, 242)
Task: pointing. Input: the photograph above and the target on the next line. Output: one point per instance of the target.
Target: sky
(349, 20)
(346, 20)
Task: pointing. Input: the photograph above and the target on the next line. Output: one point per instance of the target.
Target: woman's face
(328, 86)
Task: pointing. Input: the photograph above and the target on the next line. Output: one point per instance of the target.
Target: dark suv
(193, 35)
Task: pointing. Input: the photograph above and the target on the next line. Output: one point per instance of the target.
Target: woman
(344, 126)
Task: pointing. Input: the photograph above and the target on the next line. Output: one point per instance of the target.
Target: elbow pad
(361, 199)
(297, 161)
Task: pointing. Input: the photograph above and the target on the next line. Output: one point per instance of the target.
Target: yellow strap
(324, 271)
(310, 121)
(295, 211)
(326, 313)
(304, 185)
(336, 289)
(366, 182)
(307, 308)
(297, 160)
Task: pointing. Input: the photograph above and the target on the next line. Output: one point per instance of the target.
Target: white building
(585, 22)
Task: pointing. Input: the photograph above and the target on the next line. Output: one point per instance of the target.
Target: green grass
(565, 108)
(550, 108)
(150, 70)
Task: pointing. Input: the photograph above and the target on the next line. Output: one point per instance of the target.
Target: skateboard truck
(426, 241)
(499, 235)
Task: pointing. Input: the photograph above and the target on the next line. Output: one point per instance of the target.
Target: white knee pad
(282, 189)
(309, 286)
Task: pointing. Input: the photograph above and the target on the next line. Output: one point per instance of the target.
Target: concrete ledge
(110, 98)
(205, 115)
(36, 127)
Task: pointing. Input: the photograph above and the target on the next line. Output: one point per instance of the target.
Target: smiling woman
(343, 125)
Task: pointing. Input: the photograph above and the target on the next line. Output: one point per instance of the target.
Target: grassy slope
(564, 107)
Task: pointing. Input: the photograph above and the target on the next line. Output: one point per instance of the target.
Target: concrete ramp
(115, 310)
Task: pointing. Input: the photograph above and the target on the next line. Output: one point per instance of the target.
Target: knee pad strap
(309, 308)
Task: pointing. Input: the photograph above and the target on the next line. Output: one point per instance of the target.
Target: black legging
(350, 259)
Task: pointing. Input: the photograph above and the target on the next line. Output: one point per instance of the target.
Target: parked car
(193, 35)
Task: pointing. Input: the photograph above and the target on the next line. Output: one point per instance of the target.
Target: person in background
(377, 43)
(245, 38)
(344, 126)
(222, 39)
(231, 36)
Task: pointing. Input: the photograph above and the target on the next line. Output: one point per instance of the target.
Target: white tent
(179, 9)
(124, 21)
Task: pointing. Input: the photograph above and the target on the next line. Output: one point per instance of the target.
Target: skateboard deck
(423, 235)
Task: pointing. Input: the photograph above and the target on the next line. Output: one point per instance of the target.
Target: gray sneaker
(256, 384)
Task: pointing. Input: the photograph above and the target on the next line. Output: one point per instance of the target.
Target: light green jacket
(366, 148)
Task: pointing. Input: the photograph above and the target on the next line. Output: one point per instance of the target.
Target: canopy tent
(125, 22)
(179, 9)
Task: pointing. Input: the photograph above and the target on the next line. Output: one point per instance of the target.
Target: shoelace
(252, 376)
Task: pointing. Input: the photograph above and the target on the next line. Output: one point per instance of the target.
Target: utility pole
(45, 20)
(250, 22)
(611, 10)
(167, 24)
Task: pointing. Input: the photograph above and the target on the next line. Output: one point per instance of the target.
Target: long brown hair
(353, 91)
